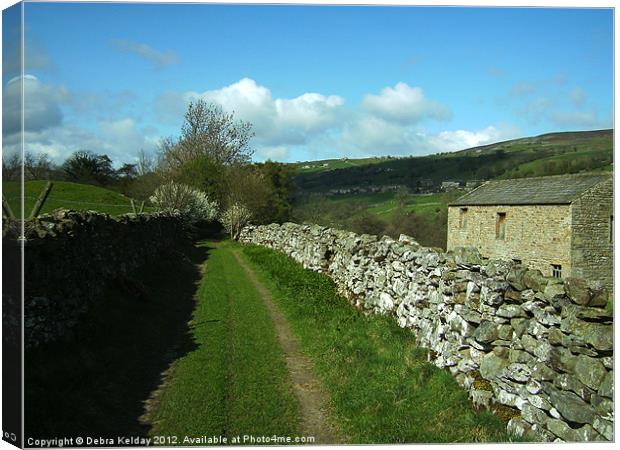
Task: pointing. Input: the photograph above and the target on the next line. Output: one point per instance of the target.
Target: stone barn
(561, 225)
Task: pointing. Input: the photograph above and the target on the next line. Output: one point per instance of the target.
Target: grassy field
(68, 195)
(381, 387)
(537, 167)
(236, 380)
(384, 204)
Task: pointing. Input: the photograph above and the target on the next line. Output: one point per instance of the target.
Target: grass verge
(235, 382)
(381, 387)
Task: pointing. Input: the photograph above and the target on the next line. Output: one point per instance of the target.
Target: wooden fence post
(6, 208)
(41, 200)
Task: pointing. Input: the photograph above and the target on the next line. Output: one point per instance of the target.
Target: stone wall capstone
(541, 348)
(70, 256)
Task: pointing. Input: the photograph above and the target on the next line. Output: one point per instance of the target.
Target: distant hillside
(547, 154)
(67, 195)
(324, 165)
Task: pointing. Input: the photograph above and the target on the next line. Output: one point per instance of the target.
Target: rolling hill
(547, 154)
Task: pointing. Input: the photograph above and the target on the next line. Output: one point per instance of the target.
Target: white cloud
(311, 123)
(120, 140)
(41, 105)
(321, 125)
(369, 135)
(277, 153)
(276, 122)
(158, 58)
(405, 104)
(124, 138)
(47, 129)
(248, 100)
(309, 111)
(448, 141)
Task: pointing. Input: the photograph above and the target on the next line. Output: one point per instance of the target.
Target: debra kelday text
(89, 441)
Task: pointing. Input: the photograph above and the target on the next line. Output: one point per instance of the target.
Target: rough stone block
(590, 371)
(571, 407)
(492, 366)
(534, 279)
(486, 332)
(606, 388)
(578, 291)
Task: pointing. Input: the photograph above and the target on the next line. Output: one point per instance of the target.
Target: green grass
(537, 167)
(381, 387)
(235, 382)
(68, 195)
(384, 204)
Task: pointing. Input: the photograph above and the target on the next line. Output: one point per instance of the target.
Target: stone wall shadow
(97, 380)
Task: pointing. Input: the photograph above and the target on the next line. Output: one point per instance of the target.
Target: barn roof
(553, 190)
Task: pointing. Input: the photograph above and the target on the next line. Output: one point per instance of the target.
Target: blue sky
(315, 81)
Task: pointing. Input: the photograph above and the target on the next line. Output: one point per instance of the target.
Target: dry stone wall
(540, 349)
(70, 256)
(592, 245)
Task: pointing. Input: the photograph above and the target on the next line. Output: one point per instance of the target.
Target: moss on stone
(505, 412)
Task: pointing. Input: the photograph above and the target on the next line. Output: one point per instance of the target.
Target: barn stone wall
(591, 245)
(537, 348)
(538, 235)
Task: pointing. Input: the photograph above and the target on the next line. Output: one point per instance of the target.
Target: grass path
(235, 383)
(308, 390)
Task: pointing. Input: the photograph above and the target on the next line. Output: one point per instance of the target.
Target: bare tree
(145, 164)
(11, 167)
(37, 168)
(209, 132)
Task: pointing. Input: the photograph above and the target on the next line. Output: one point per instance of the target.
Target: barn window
(462, 218)
(556, 270)
(500, 226)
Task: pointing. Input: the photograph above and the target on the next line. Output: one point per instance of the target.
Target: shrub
(180, 198)
(235, 218)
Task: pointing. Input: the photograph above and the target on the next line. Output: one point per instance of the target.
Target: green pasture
(67, 195)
